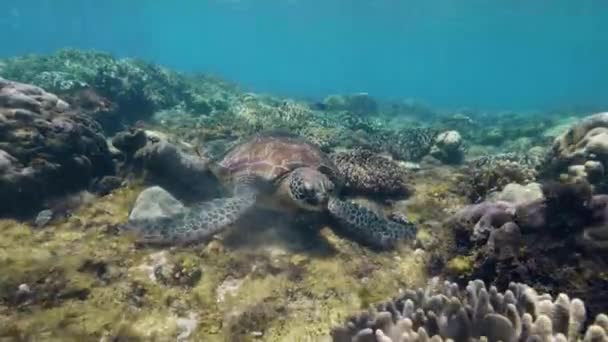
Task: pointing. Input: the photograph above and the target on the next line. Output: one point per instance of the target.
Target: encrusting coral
(479, 313)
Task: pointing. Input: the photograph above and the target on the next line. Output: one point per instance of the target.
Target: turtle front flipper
(197, 223)
(367, 227)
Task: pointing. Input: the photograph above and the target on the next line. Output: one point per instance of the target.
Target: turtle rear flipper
(367, 226)
(199, 223)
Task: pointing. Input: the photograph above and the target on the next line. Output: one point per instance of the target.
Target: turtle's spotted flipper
(197, 223)
(367, 226)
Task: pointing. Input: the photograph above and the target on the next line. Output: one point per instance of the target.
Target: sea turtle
(282, 172)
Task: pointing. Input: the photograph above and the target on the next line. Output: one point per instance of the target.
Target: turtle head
(310, 189)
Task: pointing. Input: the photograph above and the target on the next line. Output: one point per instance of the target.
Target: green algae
(460, 266)
(283, 291)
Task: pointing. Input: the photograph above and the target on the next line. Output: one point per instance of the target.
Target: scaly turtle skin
(280, 172)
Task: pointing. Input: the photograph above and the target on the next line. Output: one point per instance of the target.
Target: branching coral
(444, 312)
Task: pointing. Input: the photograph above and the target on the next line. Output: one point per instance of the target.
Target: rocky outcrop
(581, 152)
(46, 148)
(168, 164)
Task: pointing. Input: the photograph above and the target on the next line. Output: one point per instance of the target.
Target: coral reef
(359, 104)
(443, 312)
(46, 149)
(72, 270)
(548, 241)
(135, 87)
(491, 173)
(366, 173)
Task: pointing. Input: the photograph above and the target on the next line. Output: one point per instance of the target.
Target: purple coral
(484, 217)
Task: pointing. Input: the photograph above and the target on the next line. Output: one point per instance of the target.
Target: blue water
(494, 54)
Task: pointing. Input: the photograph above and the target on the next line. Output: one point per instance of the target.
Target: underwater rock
(129, 142)
(517, 193)
(448, 147)
(595, 236)
(253, 320)
(107, 184)
(43, 218)
(359, 104)
(442, 312)
(505, 241)
(46, 148)
(187, 326)
(88, 101)
(167, 164)
(181, 272)
(585, 141)
(155, 203)
(367, 173)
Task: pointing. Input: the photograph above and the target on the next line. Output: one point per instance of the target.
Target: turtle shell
(271, 157)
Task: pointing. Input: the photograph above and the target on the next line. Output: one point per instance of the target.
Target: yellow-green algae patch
(460, 266)
(285, 286)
